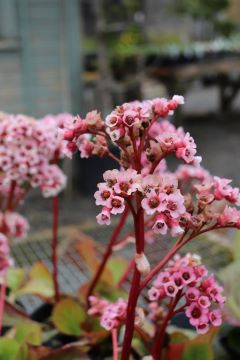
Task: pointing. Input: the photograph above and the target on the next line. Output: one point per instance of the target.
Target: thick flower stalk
(183, 204)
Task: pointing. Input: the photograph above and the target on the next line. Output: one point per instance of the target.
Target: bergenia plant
(182, 205)
(29, 152)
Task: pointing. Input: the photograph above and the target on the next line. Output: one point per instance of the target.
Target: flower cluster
(132, 118)
(5, 261)
(111, 195)
(189, 173)
(160, 197)
(112, 314)
(27, 148)
(125, 126)
(14, 225)
(187, 281)
(83, 135)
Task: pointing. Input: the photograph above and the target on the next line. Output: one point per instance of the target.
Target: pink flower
(175, 205)
(168, 141)
(215, 317)
(204, 301)
(196, 314)
(229, 217)
(128, 182)
(110, 176)
(192, 294)
(202, 328)
(113, 120)
(160, 225)
(104, 218)
(160, 107)
(171, 289)
(163, 278)
(85, 146)
(223, 190)
(103, 195)
(153, 294)
(130, 117)
(154, 203)
(186, 153)
(177, 278)
(188, 274)
(97, 306)
(116, 134)
(16, 225)
(175, 228)
(117, 205)
(93, 119)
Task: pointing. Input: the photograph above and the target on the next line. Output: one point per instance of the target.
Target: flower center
(186, 276)
(196, 313)
(116, 203)
(124, 186)
(129, 120)
(172, 206)
(153, 202)
(170, 289)
(105, 194)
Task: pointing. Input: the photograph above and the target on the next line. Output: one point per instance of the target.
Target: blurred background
(78, 55)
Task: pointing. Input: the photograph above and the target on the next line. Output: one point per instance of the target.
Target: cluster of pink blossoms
(84, 135)
(27, 150)
(14, 225)
(186, 280)
(5, 260)
(161, 198)
(112, 314)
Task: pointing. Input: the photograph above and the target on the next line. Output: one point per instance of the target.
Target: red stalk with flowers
(185, 204)
(29, 153)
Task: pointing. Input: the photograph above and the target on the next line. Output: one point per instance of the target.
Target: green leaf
(198, 351)
(28, 332)
(8, 349)
(68, 316)
(117, 266)
(15, 278)
(178, 337)
(39, 282)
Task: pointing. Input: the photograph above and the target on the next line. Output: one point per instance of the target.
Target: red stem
(134, 291)
(114, 344)
(158, 343)
(108, 252)
(9, 205)
(2, 299)
(55, 204)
